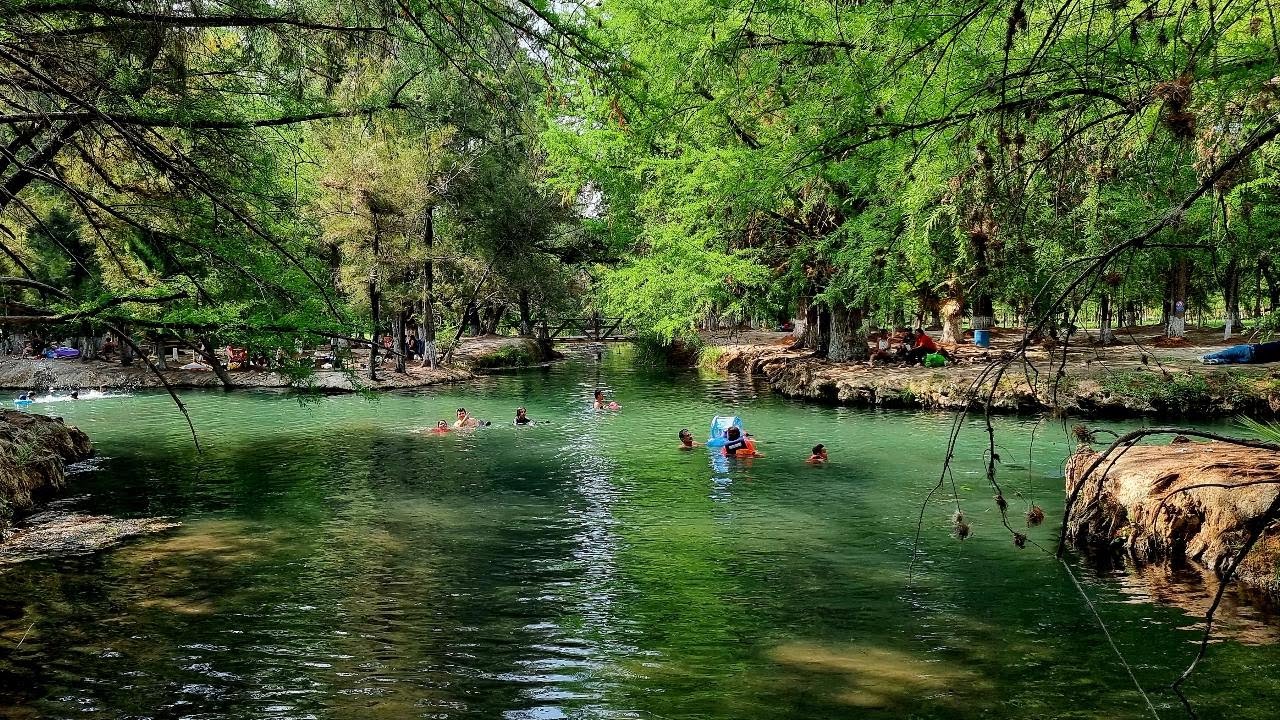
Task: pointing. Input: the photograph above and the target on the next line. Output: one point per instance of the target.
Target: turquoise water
(333, 563)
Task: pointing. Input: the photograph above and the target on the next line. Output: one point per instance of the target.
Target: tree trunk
(1105, 335)
(952, 311)
(471, 320)
(204, 347)
(162, 361)
(984, 313)
(526, 313)
(817, 332)
(398, 323)
(1177, 305)
(848, 338)
(427, 327)
(126, 350)
(1273, 283)
(492, 318)
(1231, 298)
(374, 300)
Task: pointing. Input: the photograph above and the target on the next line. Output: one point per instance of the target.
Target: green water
(334, 564)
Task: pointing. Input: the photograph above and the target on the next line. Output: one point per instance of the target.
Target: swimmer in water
(739, 444)
(599, 404)
(522, 417)
(686, 440)
(24, 397)
(819, 456)
(75, 394)
(465, 420)
(441, 428)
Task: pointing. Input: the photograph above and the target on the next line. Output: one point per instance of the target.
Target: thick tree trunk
(848, 339)
(817, 333)
(492, 318)
(1177, 306)
(471, 320)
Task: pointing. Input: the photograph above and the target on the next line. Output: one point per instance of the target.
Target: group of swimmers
(30, 396)
(465, 421)
(740, 444)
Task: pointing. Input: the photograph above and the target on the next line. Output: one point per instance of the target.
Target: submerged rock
(34, 453)
(1189, 502)
(57, 533)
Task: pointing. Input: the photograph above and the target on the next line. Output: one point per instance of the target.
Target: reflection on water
(333, 563)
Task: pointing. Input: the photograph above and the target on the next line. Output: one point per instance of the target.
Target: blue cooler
(982, 338)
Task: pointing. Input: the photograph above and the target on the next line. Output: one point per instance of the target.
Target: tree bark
(848, 339)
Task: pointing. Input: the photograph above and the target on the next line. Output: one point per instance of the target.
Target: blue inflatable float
(719, 425)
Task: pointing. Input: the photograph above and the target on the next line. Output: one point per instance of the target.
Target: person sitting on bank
(739, 444)
(522, 417)
(465, 421)
(686, 440)
(819, 455)
(1244, 354)
(924, 345)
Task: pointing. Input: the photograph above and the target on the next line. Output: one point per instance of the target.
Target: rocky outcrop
(34, 453)
(1086, 388)
(1186, 502)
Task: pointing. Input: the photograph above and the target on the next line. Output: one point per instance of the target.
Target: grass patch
(1186, 390)
(505, 357)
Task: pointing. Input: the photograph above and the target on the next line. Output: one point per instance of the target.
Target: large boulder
(1182, 502)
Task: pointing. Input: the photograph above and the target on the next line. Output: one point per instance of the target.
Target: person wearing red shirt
(923, 346)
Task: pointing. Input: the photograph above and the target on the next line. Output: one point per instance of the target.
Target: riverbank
(34, 453)
(1131, 379)
(1181, 504)
(475, 355)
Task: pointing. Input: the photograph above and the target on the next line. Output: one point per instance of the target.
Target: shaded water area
(332, 563)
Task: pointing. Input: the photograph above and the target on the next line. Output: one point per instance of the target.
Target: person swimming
(24, 397)
(75, 394)
(819, 455)
(686, 440)
(739, 444)
(599, 404)
(441, 428)
(465, 420)
(522, 417)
